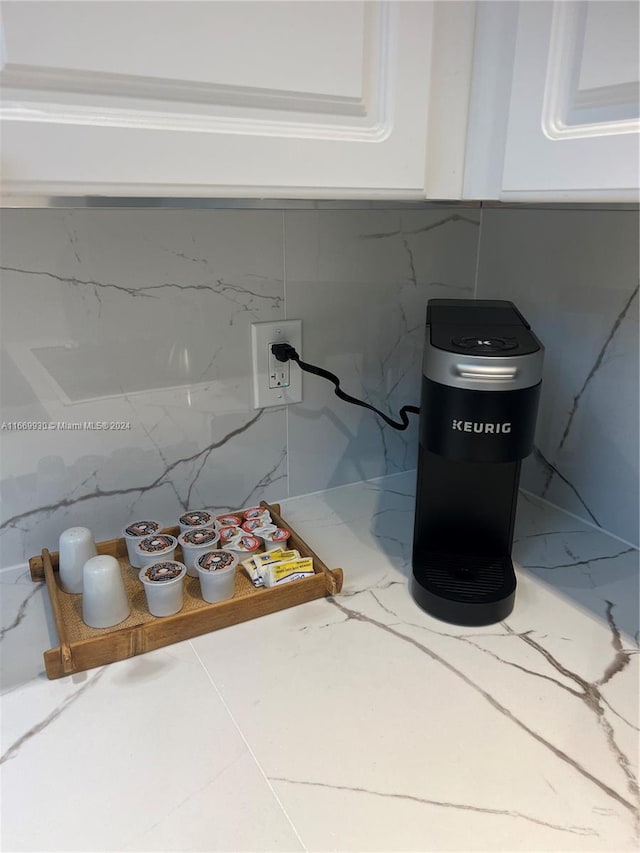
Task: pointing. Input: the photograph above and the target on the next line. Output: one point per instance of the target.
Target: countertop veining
(354, 723)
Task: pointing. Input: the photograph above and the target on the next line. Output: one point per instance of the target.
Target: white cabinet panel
(609, 43)
(216, 98)
(565, 122)
(229, 43)
(573, 119)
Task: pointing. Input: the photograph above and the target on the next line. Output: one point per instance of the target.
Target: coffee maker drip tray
(464, 589)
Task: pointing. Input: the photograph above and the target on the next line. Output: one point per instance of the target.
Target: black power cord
(285, 352)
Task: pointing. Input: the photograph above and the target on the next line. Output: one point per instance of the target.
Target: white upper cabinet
(555, 102)
(216, 98)
(374, 99)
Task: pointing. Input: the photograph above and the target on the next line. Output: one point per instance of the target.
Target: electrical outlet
(275, 383)
(279, 371)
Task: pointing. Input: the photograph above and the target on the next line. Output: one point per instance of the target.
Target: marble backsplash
(574, 275)
(141, 318)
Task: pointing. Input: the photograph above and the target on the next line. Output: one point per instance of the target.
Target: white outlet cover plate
(262, 335)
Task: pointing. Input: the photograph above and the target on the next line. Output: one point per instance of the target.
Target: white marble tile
(122, 757)
(177, 459)
(26, 628)
(236, 811)
(523, 734)
(150, 292)
(353, 723)
(574, 275)
(360, 281)
(140, 318)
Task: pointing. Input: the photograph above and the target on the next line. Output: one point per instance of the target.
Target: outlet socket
(275, 383)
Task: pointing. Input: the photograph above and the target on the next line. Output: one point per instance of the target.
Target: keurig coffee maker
(480, 387)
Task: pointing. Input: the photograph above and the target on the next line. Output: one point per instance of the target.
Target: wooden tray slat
(81, 648)
(66, 661)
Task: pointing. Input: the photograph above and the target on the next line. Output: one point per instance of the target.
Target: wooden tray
(81, 647)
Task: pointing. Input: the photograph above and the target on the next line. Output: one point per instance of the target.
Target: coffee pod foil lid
(162, 572)
(156, 544)
(214, 560)
(196, 518)
(141, 528)
(201, 536)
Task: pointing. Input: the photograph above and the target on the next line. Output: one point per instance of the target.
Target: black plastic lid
(467, 312)
(484, 327)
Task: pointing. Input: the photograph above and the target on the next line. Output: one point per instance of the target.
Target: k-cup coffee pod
(217, 573)
(195, 542)
(195, 518)
(245, 544)
(135, 532)
(276, 538)
(163, 583)
(152, 549)
(228, 520)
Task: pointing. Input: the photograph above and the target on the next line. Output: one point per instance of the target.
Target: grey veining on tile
(360, 281)
(464, 807)
(92, 740)
(597, 364)
(574, 274)
(589, 694)
(14, 749)
(523, 734)
(437, 712)
(138, 319)
(26, 628)
(141, 318)
(19, 616)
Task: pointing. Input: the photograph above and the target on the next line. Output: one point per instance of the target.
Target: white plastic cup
(163, 583)
(156, 548)
(76, 545)
(276, 538)
(196, 518)
(217, 584)
(195, 542)
(104, 599)
(135, 532)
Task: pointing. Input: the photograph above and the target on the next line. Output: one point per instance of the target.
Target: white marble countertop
(358, 723)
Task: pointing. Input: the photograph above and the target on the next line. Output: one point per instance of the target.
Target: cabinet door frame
(403, 139)
(537, 145)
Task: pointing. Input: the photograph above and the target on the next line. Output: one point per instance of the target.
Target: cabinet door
(216, 98)
(564, 123)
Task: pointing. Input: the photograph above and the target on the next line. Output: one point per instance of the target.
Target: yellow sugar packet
(274, 574)
(255, 564)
